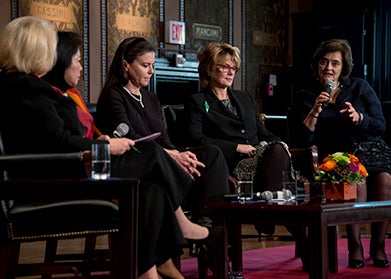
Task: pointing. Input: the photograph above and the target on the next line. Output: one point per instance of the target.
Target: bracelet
(313, 115)
(361, 118)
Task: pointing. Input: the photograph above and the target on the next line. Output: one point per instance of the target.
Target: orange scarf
(84, 115)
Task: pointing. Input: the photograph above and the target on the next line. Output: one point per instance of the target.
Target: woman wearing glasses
(227, 118)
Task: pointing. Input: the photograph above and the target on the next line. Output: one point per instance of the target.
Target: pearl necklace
(140, 100)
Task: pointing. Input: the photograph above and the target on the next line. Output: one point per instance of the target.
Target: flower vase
(342, 191)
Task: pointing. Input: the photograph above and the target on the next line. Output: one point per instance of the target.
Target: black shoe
(214, 231)
(374, 249)
(356, 263)
(381, 263)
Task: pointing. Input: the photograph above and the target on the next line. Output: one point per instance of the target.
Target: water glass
(100, 160)
(289, 184)
(245, 186)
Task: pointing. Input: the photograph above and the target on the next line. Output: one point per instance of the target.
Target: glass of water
(100, 160)
(245, 186)
(289, 184)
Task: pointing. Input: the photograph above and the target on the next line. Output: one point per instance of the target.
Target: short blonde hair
(28, 45)
(213, 54)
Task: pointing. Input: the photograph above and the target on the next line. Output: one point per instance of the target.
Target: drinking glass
(245, 186)
(100, 160)
(290, 179)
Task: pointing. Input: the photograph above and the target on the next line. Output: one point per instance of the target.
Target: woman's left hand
(351, 113)
(187, 161)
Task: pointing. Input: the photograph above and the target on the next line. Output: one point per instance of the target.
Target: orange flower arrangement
(341, 167)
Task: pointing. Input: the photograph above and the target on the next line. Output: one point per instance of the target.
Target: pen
(136, 149)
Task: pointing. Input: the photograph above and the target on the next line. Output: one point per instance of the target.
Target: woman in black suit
(228, 118)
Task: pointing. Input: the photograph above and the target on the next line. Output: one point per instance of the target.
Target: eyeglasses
(225, 68)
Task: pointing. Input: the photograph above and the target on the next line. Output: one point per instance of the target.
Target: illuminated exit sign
(175, 32)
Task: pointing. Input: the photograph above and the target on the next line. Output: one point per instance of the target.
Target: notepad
(149, 137)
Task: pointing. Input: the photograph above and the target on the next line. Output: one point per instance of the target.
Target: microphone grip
(116, 134)
(328, 89)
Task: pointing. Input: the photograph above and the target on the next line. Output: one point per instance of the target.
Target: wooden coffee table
(321, 220)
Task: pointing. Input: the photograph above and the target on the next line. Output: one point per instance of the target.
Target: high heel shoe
(168, 270)
(354, 263)
(380, 263)
(373, 251)
(213, 232)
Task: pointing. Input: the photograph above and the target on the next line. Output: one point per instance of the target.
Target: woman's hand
(187, 161)
(323, 97)
(247, 149)
(350, 111)
(313, 114)
(118, 146)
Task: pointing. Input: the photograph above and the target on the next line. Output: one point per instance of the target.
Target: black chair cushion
(34, 221)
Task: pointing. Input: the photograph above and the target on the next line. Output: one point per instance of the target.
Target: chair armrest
(24, 161)
(6, 160)
(305, 160)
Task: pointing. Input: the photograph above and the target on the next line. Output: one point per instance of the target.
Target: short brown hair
(334, 45)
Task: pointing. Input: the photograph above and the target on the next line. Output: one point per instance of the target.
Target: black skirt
(374, 155)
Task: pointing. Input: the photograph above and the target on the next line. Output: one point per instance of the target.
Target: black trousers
(163, 186)
(213, 182)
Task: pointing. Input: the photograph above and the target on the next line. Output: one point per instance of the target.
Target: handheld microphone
(269, 195)
(121, 130)
(328, 86)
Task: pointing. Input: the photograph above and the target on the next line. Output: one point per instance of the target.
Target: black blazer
(209, 121)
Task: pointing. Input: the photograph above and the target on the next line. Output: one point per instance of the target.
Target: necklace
(335, 87)
(140, 100)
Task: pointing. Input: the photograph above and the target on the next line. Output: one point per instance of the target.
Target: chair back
(174, 122)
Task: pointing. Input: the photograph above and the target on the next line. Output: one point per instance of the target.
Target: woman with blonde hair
(228, 118)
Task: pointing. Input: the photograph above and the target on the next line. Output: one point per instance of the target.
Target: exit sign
(175, 32)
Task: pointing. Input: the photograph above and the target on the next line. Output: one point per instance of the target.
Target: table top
(273, 211)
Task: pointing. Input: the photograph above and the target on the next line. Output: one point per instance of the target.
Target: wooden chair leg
(9, 255)
(50, 254)
(90, 246)
(202, 268)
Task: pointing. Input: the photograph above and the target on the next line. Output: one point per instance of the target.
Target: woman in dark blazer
(338, 112)
(228, 118)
